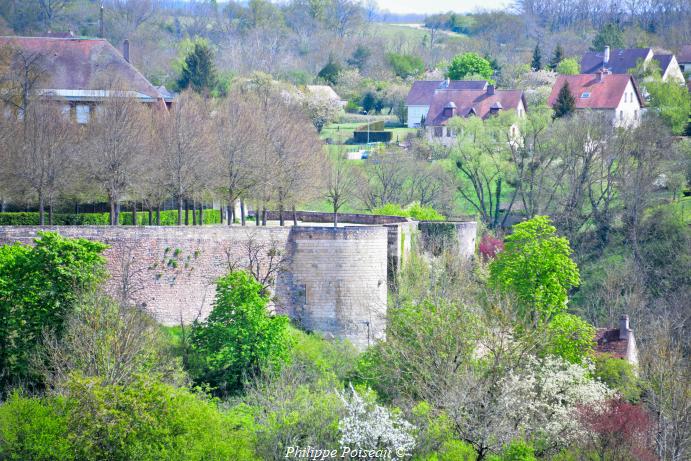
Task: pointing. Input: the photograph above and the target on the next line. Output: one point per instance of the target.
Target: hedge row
(362, 137)
(168, 218)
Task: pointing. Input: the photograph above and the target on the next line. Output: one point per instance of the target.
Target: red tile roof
(82, 64)
(471, 101)
(601, 95)
(608, 342)
(422, 91)
(684, 54)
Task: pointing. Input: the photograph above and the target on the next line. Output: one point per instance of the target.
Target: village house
(618, 342)
(615, 95)
(434, 103)
(684, 58)
(622, 61)
(422, 93)
(80, 73)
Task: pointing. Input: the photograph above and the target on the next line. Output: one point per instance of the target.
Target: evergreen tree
(537, 58)
(610, 35)
(330, 71)
(557, 57)
(565, 103)
(199, 70)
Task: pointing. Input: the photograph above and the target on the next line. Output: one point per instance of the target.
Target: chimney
(601, 75)
(605, 57)
(624, 327)
(447, 82)
(490, 90)
(126, 50)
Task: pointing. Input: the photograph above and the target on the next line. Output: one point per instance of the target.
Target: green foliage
(536, 267)
(436, 437)
(610, 35)
(406, 65)
(518, 450)
(239, 336)
(536, 63)
(33, 428)
(168, 218)
(319, 358)
(672, 102)
(568, 66)
(329, 73)
(570, 337)
(39, 286)
(199, 71)
(469, 64)
(414, 210)
(565, 104)
(145, 420)
(619, 375)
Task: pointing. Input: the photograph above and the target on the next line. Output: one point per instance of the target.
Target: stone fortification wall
(329, 280)
(338, 281)
(332, 280)
(350, 218)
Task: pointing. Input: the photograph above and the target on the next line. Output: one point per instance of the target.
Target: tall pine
(537, 58)
(565, 103)
(199, 70)
(557, 57)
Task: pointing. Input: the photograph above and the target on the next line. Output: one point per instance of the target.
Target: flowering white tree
(542, 397)
(368, 426)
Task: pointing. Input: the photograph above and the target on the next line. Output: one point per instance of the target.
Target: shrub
(39, 287)
(518, 450)
(414, 211)
(619, 375)
(406, 65)
(239, 337)
(33, 428)
(168, 218)
(490, 246)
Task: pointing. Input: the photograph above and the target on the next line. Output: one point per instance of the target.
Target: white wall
(673, 71)
(628, 111)
(415, 113)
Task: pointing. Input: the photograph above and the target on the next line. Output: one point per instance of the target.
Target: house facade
(423, 92)
(622, 60)
(618, 342)
(80, 73)
(684, 58)
(615, 95)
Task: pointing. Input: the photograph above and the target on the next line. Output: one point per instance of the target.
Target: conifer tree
(537, 58)
(557, 57)
(565, 103)
(199, 70)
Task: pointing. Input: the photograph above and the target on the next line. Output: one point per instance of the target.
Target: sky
(438, 6)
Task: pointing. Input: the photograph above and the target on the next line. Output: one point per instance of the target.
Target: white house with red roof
(616, 95)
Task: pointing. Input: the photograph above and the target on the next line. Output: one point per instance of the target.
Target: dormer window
(585, 95)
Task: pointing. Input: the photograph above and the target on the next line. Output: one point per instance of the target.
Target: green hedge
(168, 218)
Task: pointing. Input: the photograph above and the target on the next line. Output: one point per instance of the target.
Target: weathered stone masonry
(334, 280)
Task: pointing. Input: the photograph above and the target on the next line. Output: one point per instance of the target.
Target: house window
(621, 115)
(585, 95)
(83, 113)
(626, 97)
(449, 132)
(635, 114)
(438, 131)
